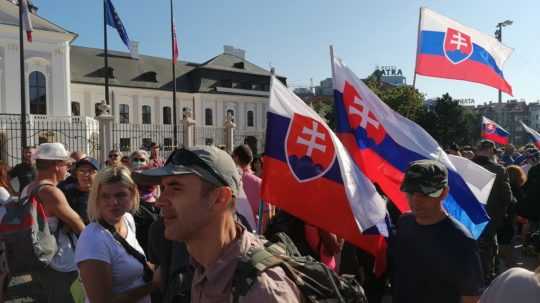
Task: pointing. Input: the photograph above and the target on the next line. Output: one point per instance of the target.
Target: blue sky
(294, 35)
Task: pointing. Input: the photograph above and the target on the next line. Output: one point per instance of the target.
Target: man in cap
(433, 258)
(52, 162)
(199, 189)
(497, 205)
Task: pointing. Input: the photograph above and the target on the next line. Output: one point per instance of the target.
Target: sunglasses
(187, 158)
(139, 160)
(113, 156)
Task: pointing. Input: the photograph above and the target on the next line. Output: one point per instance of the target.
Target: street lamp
(498, 35)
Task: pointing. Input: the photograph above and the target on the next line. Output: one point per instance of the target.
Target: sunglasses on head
(187, 158)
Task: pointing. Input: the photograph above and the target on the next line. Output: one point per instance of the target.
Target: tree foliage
(448, 122)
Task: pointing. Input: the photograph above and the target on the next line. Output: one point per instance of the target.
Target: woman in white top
(108, 271)
(6, 191)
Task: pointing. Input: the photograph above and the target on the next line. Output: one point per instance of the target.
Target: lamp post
(498, 35)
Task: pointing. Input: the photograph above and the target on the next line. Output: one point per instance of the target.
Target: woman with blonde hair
(111, 262)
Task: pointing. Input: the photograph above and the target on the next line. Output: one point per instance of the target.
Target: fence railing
(82, 134)
(131, 137)
(76, 133)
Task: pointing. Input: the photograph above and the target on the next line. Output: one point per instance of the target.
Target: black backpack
(316, 282)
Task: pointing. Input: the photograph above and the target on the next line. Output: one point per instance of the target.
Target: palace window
(250, 118)
(124, 113)
(167, 115)
(208, 117)
(38, 93)
(146, 114)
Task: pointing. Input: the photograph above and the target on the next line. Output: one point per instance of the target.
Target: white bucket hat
(51, 151)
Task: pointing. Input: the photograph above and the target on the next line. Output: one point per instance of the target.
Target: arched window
(38, 93)
(75, 108)
(208, 117)
(250, 118)
(146, 114)
(231, 113)
(167, 114)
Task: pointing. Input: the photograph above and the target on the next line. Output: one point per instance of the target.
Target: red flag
(27, 24)
(175, 45)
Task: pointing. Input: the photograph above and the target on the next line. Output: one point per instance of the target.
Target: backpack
(283, 222)
(24, 229)
(316, 282)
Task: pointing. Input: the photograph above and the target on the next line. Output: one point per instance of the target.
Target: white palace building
(65, 82)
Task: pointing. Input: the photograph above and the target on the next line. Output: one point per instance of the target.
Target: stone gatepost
(229, 126)
(189, 129)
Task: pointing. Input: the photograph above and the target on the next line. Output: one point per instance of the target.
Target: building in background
(67, 81)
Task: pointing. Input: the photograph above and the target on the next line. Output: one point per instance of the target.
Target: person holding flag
(497, 204)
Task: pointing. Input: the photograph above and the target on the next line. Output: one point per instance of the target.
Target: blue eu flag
(112, 19)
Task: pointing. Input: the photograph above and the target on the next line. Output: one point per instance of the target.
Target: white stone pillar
(106, 121)
(13, 86)
(229, 126)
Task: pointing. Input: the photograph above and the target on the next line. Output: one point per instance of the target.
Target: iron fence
(76, 133)
(82, 134)
(128, 138)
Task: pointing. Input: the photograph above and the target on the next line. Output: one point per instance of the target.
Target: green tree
(404, 99)
(448, 122)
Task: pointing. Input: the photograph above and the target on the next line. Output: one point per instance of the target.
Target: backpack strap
(255, 262)
(148, 272)
(35, 191)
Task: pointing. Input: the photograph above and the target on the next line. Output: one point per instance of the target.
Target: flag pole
(106, 52)
(23, 77)
(332, 65)
(417, 47)
(175, 130)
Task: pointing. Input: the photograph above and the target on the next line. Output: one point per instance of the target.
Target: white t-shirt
(97, 243)
(4, 195)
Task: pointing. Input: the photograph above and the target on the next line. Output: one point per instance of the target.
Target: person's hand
(330, 242)
(156, 280)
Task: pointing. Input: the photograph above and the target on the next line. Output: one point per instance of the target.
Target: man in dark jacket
(497, 204)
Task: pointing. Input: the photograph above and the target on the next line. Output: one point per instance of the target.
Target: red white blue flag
(308, 173)
(533, 135)
(27, 23)
(448, 49)
(494, 132)
(383, 143)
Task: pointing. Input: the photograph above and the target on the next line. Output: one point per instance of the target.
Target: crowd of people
(137, 228)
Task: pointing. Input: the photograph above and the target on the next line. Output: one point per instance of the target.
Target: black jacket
(500, 196)
(530, 204)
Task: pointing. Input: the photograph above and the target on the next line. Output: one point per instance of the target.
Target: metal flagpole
(106, 52)
(417, 47)
(23, 77)
(175, 131)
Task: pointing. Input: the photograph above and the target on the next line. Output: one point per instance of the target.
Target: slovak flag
(534, 135)
(383, 143)
(27, 23)
(309, 174)
(494, 132)
(448, 49)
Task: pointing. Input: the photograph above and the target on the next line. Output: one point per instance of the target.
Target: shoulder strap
(36, 190)
(256, 261)
(148, 272)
